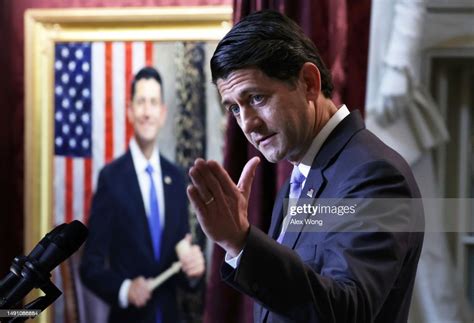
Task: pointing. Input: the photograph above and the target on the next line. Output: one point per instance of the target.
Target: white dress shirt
(305, 165)
(140, 162)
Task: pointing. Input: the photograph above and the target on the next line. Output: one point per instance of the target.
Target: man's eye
(155, 103)
(256, 99)
(235, 109)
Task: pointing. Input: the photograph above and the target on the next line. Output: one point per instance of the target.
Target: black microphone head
(72, 237)
(47, 239)
(56, 231)
(64, 244)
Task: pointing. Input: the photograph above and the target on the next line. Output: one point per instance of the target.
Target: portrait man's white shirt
(140, 162)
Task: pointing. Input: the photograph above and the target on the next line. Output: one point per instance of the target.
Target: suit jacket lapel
(336, 141)
(314, 184)
(167, 234)
(278, 210)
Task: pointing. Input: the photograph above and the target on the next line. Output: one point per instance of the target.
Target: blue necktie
(296, 183)
(154, 216)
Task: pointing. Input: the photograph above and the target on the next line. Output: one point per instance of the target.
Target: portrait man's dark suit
(119, 244)
(373, 271)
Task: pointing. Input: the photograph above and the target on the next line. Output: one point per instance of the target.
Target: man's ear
(311, 79)
(129, 112)
(163, 114)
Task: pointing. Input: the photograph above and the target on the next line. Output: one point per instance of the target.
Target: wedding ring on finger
(209, 201)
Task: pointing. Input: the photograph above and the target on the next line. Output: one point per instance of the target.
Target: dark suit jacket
(119, 244)
(342, 273)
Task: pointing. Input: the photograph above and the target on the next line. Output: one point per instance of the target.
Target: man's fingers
(139, 293)
(247, 176)
(196, 200)
(141, 300)
(245, 181)
(194, 267)
(210, 181)
(199, 183)
(189, 238)
(193, 262)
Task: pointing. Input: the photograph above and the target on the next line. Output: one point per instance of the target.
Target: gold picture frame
(45, 27)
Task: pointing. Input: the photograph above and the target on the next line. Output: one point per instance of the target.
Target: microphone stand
(12, 277)
(32, 276)
(33, 271)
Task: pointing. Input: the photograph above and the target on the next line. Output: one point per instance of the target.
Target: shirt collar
(139, 159)
(305, 165)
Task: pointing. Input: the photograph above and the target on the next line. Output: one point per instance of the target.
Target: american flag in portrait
(91, 92)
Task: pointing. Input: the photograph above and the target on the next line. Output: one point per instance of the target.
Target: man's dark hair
(272, 43)
(147, 73)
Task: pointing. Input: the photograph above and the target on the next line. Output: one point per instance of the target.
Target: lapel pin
(168, 180)
(310, 193)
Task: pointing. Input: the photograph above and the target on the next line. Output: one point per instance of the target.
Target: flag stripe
(118, 97)
(128, 84)
(59, 184)
(98, 110)
(87, 188)
(69, 189)
(149, 53)
(78, 188)
(109, 115)
(138, 58)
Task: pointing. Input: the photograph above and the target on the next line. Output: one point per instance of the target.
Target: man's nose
(249, 120)
(147, 108)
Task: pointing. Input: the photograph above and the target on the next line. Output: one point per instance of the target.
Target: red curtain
(340, 30)
(12, 107)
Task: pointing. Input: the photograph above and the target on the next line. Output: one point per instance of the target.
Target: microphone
(47, 239)
(53, 249)
(18, 262)
(64, 244)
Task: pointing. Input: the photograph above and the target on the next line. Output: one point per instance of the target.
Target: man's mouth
(265, 140)
(147, 124)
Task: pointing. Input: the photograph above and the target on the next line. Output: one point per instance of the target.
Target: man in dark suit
(138, 215)
(357, 266)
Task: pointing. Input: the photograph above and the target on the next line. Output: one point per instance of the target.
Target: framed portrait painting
(79, 64)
